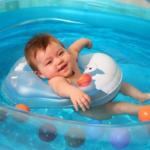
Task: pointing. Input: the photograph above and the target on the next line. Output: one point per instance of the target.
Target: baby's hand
(80, 99)
(89, 43)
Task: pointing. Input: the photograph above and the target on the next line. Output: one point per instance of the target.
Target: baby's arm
(65, 89)
(79, 44)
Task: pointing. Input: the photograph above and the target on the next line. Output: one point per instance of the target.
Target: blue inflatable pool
(117, 30)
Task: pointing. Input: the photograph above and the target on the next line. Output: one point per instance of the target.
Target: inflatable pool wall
(29, 130)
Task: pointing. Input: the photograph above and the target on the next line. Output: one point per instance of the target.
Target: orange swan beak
(84, 80)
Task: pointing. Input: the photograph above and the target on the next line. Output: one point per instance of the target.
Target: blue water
(126, 39)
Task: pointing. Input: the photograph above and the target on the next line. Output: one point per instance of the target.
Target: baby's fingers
(82, 105)
(88, 99)
(85, 102)
(75, 104)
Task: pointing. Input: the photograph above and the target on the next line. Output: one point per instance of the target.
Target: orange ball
(144, 113)
(84, 80)
(23, 107)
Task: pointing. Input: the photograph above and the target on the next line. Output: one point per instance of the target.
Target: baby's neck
(73, 73)
(74, 76)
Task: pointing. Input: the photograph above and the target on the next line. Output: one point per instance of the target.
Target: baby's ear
(39, 74)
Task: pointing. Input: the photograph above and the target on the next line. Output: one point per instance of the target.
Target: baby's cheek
(50, 72)
(68, 57)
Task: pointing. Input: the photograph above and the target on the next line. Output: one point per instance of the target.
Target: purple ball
(120, 138)
(47, 132)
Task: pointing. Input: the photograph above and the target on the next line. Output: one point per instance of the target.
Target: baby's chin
(68, 74)
(65, 75)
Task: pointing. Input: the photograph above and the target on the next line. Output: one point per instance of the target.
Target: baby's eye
(49, 62)
(61, 53)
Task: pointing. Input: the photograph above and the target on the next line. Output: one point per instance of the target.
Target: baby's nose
(59, 61)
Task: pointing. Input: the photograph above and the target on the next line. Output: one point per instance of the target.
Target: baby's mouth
(62, 67)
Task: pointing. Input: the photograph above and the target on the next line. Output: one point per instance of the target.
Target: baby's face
(54, 61)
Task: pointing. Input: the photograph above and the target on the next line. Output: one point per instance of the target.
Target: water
(126, 39)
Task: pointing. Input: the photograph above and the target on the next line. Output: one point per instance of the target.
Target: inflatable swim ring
(23, 86)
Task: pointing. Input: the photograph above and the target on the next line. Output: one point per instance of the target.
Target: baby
(49, 59)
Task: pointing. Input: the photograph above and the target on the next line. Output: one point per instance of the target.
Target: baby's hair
(38, 42)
